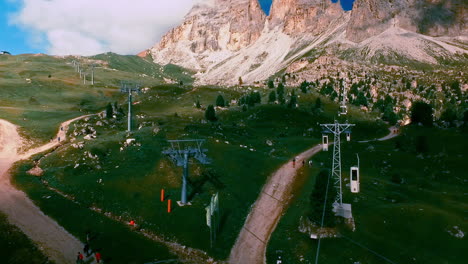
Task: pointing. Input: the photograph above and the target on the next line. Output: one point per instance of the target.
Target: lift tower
(129, 87)
(337, 129)
(180, 152)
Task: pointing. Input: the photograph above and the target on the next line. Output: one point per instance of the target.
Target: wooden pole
(169, 205)
(162, 195)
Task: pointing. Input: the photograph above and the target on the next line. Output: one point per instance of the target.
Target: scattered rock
(456, 232)
(36, 171)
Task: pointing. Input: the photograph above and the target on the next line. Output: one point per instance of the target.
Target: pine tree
(272, 97)
(271, 84)
(109, 111)
(304, 86)
(280, 89)
(220, 101)
(210, 113)
(281, 99)
(318, 103)
(421, 113)
(292, 100)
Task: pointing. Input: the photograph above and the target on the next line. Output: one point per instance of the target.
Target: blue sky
(51, 26)
(12, 38)
(266, 4)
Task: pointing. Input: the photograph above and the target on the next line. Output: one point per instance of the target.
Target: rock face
(227, 39)
(429, 17)
(220, 25)
(303, 16)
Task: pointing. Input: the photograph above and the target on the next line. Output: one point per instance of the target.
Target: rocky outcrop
(429, 17)
(222, 25)
(297, 17)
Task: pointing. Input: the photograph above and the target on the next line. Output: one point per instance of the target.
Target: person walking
(86, 249)
(79, 258)
(294, 162)
(98, 257)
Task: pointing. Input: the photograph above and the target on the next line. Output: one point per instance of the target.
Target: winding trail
(59, 245)
(251, 244)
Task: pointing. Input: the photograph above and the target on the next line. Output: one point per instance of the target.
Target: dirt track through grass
(251, 244)
(52, 239)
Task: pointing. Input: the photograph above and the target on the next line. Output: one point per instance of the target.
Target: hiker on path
(98, 257)
(79, 258)
(86, 249)
(294, 162)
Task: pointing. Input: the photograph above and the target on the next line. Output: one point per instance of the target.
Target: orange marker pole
(169, 205)
(162, 195)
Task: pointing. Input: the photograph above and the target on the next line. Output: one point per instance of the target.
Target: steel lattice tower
(128, 87)
(337, 129)
(180, 156)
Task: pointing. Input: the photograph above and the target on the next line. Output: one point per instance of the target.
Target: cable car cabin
(354, 179)
(324, 142)
(343, 109)
(348, 136)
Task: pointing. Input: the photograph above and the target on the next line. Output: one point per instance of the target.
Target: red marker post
(169, 205)
(162, 195)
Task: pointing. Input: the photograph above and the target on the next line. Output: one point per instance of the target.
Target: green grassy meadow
(245, 147)
(127, 182)
(38, 92)
(408, 204)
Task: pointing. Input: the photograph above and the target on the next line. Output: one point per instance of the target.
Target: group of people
(80, 258)
(303, 162)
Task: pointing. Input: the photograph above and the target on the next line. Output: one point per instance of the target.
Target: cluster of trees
(112, 109)
(280, 95)
(250, 99)
(305, 86)
(386, 107)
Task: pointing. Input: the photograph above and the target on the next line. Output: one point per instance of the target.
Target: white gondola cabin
(354, 179)
(348, 135)
(343, 110)
(324, 142)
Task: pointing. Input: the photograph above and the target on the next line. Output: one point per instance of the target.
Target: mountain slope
(392, 32)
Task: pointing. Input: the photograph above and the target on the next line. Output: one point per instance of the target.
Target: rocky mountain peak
(226, 39)
(212, 26)
(301, 16)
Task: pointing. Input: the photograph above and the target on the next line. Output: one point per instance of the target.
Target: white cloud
(88, 27)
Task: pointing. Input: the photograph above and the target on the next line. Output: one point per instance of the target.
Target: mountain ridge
(227, 39)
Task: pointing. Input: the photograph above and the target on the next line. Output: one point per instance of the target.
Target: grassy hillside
(411, 205)
(126, 180)
(38, 92)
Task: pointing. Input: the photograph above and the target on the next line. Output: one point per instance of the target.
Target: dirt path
(251, 244)
(59, 245)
